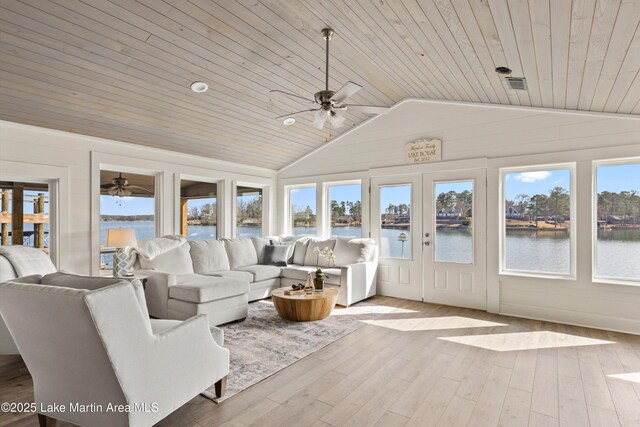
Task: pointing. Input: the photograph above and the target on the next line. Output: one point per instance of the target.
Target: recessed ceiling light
(288, 121)
(199, 87)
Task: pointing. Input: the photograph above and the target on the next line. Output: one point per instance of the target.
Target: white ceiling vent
(517, 83)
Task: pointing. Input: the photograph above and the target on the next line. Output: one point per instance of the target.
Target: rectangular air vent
(517, 83)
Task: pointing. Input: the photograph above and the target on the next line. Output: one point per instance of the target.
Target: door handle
(427, 243)
(426, 234)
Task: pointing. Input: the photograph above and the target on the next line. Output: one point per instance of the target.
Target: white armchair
(98, 349)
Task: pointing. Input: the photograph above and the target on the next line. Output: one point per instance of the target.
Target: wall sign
(423, 151)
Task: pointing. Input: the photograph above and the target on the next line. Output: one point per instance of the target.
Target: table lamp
(120, 238)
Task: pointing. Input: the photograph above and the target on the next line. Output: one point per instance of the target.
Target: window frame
(595, 278)
(327, 203)
(287, 207)
(503, 271)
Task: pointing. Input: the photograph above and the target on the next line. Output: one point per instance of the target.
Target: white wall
(29, 152)
(500, 136)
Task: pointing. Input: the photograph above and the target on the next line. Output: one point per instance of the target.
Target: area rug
(264, 343)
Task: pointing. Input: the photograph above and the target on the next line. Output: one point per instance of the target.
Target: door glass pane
(345, 207)
(248, 212)
(454, 222)
(126, 201)
(395, 221)
(24, 214)
(303, 211)
(537, 221)
(618, 244)
(199, 209)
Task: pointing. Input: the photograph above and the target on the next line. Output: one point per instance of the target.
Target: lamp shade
(120, 237)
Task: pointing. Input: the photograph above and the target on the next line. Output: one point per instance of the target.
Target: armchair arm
(157, 291)
(358, 281)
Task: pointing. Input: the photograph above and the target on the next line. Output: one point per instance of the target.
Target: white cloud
(532, 176)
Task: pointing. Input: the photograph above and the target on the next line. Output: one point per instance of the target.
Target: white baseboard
(596, 321)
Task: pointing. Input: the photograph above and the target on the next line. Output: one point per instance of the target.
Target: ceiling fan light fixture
(288, 121)
(199, 87)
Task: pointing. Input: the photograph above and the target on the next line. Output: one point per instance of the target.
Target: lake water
(618, 250)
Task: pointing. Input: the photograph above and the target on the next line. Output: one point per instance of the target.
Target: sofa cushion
(174, 261)
(300, 273)
(208, 255)
(233, 274)
(314, 258)
(241, 252)
(351, 251)
(198, 288)
(299, 251)
(262, 272)
(277, 255)
(259, 244)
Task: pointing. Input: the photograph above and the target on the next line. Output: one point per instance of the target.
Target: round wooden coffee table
(303, 307)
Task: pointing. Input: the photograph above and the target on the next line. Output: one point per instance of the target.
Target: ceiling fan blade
(345, 92)
(140, 188)
(291, 94)
(297, 112)
(106, 186)
(336, 120)
(367, 109)
(321, 118)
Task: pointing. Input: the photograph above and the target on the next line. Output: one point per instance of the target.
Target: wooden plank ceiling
(121, 69)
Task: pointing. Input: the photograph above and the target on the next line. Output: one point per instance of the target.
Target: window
(126, 201)
(24, 214)
(617, 246)
(248, 212)
(537, 220)
(345, 209)
(395, 221)
(302, 210)
(199, 210)
(454, 222)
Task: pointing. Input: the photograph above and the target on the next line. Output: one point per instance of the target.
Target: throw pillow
(299, 251)
(313, 258)
(276, 255)
(259, 244)
(351, 251)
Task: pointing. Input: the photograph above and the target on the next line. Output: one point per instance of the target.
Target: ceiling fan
(330, 102)
(120, 187)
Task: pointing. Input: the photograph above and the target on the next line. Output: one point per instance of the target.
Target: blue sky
(535, 182)
(618, 178)
(129, 205)
(458, 187)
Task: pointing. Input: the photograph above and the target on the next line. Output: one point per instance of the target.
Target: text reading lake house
(423, 151)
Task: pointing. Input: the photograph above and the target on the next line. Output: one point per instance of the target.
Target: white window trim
(288, 226)
(327, 201)
(572, 275)
(594, 222)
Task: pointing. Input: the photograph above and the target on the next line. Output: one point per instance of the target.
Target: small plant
(327, 253)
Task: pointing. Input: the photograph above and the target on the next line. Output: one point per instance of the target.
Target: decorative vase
(318, 282)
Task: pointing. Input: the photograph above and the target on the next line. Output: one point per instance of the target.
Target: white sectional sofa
(220, 277)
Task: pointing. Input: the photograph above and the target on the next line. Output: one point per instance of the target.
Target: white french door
(396, 225)
(454, 238)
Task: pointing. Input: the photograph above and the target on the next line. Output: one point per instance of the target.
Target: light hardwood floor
(417, 366)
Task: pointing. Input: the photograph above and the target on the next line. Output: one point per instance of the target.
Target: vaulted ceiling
(121, 69)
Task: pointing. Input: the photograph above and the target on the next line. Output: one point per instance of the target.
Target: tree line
(126, 217)
(251, 209)
(556, 204)
(399, 209)
(207, 214)
(458, 202)
(624, 205)
(344, 208)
